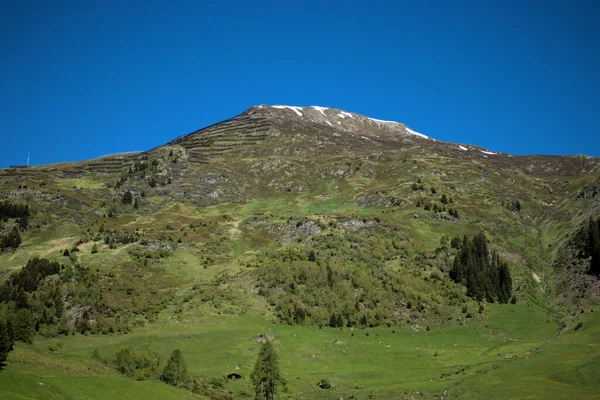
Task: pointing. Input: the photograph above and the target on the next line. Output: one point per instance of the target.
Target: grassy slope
(510, 351)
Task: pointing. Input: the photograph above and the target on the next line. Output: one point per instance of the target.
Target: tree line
(12, 210)
(486, 276)
(17, 319)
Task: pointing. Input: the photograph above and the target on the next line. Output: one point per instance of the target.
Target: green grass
(510, 351)
(82, 183)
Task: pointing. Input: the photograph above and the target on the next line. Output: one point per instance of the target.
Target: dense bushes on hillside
(486, 277)
(29, 303)
(344, 281)
(11, 210)
(10, 241)
(50, 299)
(33, 272)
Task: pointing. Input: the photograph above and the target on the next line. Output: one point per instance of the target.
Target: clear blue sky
(81, 79)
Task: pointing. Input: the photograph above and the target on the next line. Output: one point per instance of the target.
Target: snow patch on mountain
(295, 109)
(415, 133)
(383, 121)
(320, 109)
(488, 152)
(331, 119)
(462, 147)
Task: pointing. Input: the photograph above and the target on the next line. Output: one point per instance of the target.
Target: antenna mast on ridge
(28, 159)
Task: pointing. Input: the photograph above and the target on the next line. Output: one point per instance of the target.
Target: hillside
(336, 233)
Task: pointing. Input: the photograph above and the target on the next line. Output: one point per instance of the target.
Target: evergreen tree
(266, 376)
(175, 372)
(6, 342)
(444, 199)
(485, 277)
(127, 197)
(455, 242)
(23, 325)
(12, 240)
(505, 282)
(594, 246)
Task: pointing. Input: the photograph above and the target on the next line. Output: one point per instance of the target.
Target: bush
(324, 384)
(138, 364)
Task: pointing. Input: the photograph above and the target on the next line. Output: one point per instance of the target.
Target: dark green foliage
(127, 197)
(266, 376)
(433, 190)
(22, 325)
(415, 186)
(11, 210)
(23, 222)
(513, 205)
(586, 246)
(140, 365)
(31, 274)
(453, 212)
(485, 277)
(175, 372)
(593, 246)
(351, 288)
(455, 242)
(6, 339)
(12, 240)
(444, 199)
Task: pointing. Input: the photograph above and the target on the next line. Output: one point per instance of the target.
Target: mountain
(358, 244)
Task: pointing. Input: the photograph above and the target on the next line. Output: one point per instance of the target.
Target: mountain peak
(337, 118)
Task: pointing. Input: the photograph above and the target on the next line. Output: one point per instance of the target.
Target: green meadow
(508, 351)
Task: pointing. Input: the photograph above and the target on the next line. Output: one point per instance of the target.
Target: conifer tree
(266, 376)
(175, 372)
(127, 197)
(484, 277)
(594, 246)
(6, 342)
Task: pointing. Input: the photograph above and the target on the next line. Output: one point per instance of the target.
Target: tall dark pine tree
(505, 281)
(483, 277)
(6, 341)
(265, 376)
